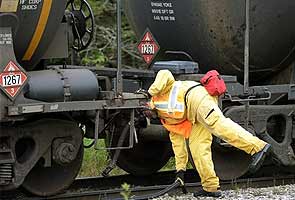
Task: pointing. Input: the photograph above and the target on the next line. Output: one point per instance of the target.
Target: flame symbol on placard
(11, 68)
(147, 38)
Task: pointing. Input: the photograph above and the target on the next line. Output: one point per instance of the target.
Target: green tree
(102, 51)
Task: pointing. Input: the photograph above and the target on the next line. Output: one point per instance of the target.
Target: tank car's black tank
(38, 21)
(212, 31)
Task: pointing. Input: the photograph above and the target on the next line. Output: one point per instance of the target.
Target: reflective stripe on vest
(173, 97)
(172, 105)
(164, 106)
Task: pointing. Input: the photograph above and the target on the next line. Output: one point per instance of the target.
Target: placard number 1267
(11, 80)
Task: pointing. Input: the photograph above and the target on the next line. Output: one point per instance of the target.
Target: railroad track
(110, 187)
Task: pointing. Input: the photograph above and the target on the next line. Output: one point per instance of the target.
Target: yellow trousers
(208, 119)
(180, 151)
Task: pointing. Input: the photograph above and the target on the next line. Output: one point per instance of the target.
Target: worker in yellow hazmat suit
(197, 120)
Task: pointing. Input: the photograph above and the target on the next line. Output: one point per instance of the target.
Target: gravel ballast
(285, 192)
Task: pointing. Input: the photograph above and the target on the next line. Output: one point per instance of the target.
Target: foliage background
(103, 49)
(95, 161)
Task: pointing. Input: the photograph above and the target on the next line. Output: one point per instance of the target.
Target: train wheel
(230, 163)
(46, 181)
(146, 157)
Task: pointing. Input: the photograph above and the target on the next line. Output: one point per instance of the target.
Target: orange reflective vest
(183, 128)
(171, 106)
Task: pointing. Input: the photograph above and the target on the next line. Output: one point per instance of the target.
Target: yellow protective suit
(207, 119)
(162, 87)
(180, 151)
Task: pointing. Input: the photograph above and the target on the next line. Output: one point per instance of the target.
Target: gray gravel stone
(285, 192)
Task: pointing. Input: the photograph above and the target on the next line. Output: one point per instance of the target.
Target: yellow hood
(162, 84)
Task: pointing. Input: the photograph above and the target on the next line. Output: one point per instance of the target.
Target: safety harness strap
(185, 96)
(190, 157)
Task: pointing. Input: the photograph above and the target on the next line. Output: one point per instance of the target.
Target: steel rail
(109, 188)
(191, 187)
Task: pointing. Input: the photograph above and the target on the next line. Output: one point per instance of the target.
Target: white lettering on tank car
(29, 7)
(156, 11)
(167, 5)
(34, 1)
(30, 4)
(165, 14)
(164, 11)
(156, 4)
(156, 18)
(5, 38)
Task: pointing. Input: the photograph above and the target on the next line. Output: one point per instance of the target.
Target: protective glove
(151, 114)
(143, 92)
(180, 178)
(148, 112)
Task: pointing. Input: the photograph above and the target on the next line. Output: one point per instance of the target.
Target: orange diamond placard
(12, 79)
(148, 47)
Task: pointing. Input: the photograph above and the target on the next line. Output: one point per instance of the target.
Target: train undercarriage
(43, 140)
